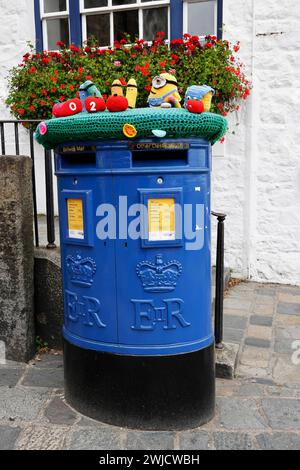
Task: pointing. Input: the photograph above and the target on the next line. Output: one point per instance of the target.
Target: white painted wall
(257, 181)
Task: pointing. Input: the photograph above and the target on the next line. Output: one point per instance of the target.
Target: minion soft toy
(164, 92)
(198, 93)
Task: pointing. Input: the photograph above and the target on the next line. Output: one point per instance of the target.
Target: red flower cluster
(51, 76)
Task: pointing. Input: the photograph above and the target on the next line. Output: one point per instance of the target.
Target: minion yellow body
(164, 92)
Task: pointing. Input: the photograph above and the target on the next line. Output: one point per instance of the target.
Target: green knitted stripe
(176, 122)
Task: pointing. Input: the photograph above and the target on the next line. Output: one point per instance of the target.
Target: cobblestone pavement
(260, 409)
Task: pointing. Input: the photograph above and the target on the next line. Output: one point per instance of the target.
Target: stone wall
(16, 258)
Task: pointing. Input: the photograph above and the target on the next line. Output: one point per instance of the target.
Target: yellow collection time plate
(161, 219)
(75, 218)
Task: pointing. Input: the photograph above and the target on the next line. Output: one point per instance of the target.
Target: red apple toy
(195, 106)
(116, 103)
(94, 105)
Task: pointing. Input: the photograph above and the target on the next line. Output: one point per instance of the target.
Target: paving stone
(284, 346)
(278, 441)
(244, 371)
(42, 438)
(103, 438)
(282, 413)
(235, 321)
(289, 332)
(8, 437)
(245, 286)
(57, 412)
(227, 388)
(287, 320)
(258, 357)
(37, 377)
(10, 377)
(261, 320)
(265, 300)
(238, 413)
(266, 291)
(285, 372)
(261, 332)
(148, 440)
(287, 308)
(194, 440)
(235, 311)
(23, 404)
(251, 390)
(232, 335)
(234, 303)
(264, 310)
(292, 290)
(257, 342)
(289, 298)
(233, 441)
(50, 361)
(264, 381)
(281, 391)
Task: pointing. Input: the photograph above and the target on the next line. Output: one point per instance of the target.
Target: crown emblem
(159, 276)
(81, 270)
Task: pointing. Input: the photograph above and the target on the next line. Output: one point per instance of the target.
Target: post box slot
(82, 160)
(160, 158)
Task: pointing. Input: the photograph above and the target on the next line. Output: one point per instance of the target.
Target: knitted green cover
(176, 122)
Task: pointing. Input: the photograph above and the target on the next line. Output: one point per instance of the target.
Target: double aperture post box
(136, 262)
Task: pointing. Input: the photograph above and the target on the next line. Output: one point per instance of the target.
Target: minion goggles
(160, 82)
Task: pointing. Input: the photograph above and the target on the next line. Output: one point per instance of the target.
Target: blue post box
(136, 263)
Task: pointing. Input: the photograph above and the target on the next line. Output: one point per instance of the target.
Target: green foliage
(40, 344)
(45, 78)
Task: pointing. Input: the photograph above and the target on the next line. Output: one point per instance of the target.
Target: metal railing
(219, 298)
(31, 125)
(50, 216)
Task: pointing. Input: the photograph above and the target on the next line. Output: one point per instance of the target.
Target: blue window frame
(67, 20)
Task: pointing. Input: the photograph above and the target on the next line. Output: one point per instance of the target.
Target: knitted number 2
(93, 106)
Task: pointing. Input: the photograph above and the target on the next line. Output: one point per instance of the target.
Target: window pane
(99, 26)
(126, 22)
(58, 30)
(122, 2)
(155, 19)
(95, 3)
(201, 18)
(144, 1)
(51, 6)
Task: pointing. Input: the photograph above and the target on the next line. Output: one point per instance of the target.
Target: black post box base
(150, 393)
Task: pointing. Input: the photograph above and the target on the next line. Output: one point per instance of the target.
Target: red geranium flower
(21, 111)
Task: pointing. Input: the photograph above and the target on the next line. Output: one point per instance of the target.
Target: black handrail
(219, 298)
(32, 124)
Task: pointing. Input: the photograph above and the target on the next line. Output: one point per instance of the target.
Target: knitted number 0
(73, 106)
